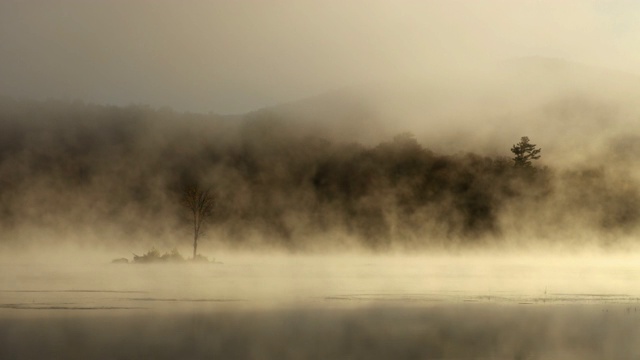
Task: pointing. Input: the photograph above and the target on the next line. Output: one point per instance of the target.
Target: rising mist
(366, 203)
(334, 172)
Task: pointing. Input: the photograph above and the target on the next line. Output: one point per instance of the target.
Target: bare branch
(201, 204)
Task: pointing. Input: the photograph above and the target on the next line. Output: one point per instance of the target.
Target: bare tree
(200, 203)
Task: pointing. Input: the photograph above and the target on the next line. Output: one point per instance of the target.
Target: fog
(232, 57)
(304, 177)
(366, 198)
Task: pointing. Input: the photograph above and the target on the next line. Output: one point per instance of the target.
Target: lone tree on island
(525, 152)
(200, 203)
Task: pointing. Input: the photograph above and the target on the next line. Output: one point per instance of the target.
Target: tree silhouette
(200, 203)
(524, 153)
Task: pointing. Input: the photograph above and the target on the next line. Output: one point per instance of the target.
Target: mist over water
(407, 239)
(411, 239)
(336, 171)
(357, 166)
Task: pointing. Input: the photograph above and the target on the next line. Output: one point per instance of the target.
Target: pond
(292, 307)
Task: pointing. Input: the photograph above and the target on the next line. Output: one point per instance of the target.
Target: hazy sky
(233, 56)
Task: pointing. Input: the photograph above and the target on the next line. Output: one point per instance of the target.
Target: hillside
(573, 108)
(334, 170)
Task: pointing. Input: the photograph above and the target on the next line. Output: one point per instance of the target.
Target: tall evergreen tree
(524, 153)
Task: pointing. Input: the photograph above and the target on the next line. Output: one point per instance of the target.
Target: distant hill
(339, 169)
(559, 103)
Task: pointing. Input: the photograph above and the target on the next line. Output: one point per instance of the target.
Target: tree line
(75, 166)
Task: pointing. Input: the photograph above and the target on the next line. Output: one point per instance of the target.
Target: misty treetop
(120, 173)
(524, 153)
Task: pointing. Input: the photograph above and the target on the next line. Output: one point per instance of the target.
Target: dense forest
(115, 175)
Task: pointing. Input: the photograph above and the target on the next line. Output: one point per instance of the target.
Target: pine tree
(525, 152)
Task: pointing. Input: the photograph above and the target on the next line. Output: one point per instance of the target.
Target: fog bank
(335, 172)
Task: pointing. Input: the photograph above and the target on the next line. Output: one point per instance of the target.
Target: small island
(200, 204)
(154, 256)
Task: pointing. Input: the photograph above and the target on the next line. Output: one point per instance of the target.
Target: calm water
(324, 307)
(259, 281)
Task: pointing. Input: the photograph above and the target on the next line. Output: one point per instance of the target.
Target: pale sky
(233, 56)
